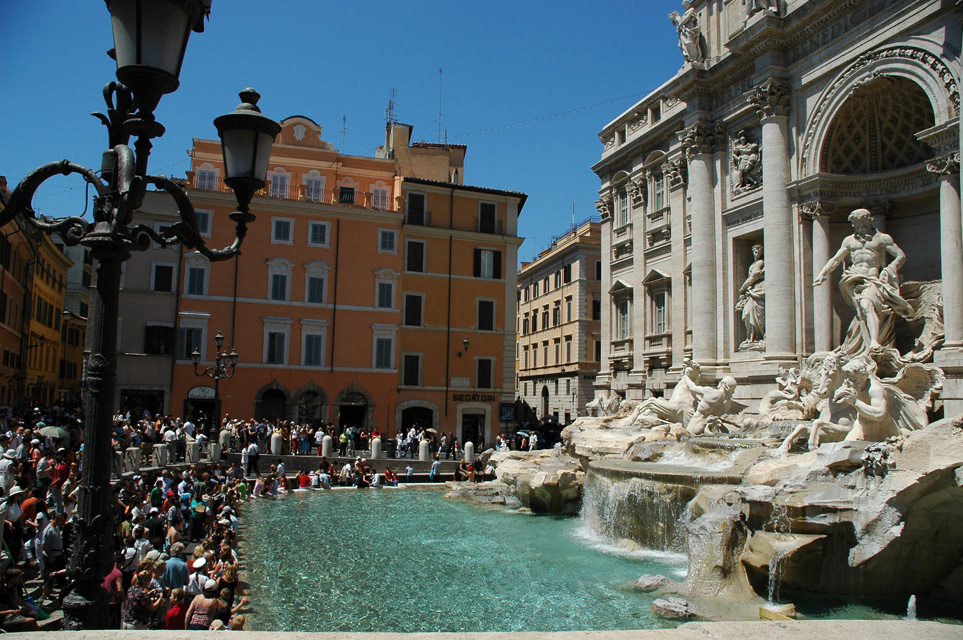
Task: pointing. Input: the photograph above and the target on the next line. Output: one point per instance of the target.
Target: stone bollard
(117, 464)
(376, 448)
(423, 450)
(327, 446)
(224, 440)
(193, 453)
(214, 451)
(469, 452)
(159, 455)
(277, 441)
(132, 460)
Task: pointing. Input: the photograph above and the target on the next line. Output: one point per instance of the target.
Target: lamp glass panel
(238, 145)
(165, 28)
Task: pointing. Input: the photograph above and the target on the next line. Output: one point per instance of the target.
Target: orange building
(45, 348)
(458, 305)
(353, 279)
(17, 251)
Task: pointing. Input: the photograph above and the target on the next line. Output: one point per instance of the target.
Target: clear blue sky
(505, 62)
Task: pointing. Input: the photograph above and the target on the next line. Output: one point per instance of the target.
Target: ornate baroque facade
(798, 113)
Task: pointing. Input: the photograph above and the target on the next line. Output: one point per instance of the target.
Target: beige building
(783, 118)
(148, 311)
(559, 312)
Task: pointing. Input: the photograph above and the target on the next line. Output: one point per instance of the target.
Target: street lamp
(150, 39)
(224, 364)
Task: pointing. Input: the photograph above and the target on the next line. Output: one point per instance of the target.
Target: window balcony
(658, 344)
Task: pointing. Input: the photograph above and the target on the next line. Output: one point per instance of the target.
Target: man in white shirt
(252, 455)
(189, 428)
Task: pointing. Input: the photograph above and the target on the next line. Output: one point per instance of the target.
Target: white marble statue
(677, 408)
(783, 403)
(714, 402)
(605, 403)
(746, 164)
(752, 302)
(690, 32)
(863, 407)
(869, 284)
(755, 6)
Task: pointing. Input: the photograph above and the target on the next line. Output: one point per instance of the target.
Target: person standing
(435, 473)
(253, 456)
(114, 586)
(53, 551)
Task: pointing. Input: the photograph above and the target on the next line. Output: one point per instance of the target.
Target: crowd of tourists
(175, 539)
(175, 530)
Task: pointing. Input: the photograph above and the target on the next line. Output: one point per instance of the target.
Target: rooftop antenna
(440, 114)
(390, 110)
(344, 130)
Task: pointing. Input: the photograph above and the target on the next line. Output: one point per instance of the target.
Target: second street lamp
(150, 38)
(224, 365)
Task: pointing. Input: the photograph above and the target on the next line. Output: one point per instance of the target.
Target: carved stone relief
(746, 160)
(770, 99)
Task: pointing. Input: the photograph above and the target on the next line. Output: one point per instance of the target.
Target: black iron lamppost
(224, 364)
(150, 39)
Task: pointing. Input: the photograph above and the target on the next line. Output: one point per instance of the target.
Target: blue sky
(504, 63)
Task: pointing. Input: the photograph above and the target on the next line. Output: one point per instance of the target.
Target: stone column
(771, 100)
(951, 246)
(698, 143)
(819, 211)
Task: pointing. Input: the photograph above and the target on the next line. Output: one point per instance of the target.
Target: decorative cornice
(947, 165)
(770, 99)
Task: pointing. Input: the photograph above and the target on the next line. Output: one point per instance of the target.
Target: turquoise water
(412, 561)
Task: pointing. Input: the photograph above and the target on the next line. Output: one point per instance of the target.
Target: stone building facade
(725, 190)
(559, 311)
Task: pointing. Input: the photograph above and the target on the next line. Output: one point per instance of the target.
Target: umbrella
(55, 432)
(435, 431)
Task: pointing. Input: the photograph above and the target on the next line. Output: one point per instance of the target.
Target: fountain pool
(412, 561)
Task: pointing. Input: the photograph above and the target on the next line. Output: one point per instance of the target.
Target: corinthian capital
(697, 139)
(771, 98)
(818, 207)
(945, 165)
(604, 206)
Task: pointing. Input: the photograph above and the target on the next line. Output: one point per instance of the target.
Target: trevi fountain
(844, 480)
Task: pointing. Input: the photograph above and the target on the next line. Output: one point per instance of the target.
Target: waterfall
(911, 608)
(651, 514)
(780, 524)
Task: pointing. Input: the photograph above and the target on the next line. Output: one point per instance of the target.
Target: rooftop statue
(869, 285)
(755, 6)
(690, 33)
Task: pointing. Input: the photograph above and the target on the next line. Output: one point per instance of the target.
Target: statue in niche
(755, 6)
(690, 33)
(752, 303)
(746, 164)
(862, 407)
(869, 285)
(677, 408)
(714, 402)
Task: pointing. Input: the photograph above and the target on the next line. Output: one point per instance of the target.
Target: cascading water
(779, 523)
(651, 514)
(911, 608)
